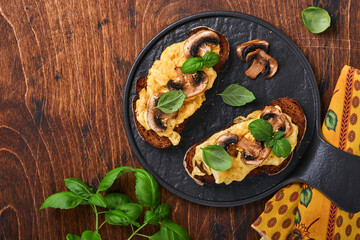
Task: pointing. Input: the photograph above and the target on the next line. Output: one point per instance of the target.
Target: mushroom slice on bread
(244, 49)
(200, 43)
(277, 119)
(254, 152)
(261, 62)
(228, 141)
(190, 84)
(156, 119)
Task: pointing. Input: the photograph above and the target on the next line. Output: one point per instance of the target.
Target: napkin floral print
(299, 211)
(341, 121)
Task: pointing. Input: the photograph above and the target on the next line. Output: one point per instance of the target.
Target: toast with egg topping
(249, 157)
(157, 128)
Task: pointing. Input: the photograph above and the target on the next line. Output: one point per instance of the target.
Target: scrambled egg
(239, 170)
(159, 74)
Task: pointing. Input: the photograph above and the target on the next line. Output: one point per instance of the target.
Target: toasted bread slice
(151, 136)
(289, 106)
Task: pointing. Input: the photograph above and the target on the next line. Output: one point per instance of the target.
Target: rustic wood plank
(63, 70)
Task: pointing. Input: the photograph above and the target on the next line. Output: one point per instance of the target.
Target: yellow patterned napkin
(299, 211)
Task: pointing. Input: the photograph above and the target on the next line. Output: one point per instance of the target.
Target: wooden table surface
(63, 66)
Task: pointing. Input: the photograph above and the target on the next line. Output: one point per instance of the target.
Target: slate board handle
(332, 171)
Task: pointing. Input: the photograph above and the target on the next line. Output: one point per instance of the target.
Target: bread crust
(151, 136)
(289, 106)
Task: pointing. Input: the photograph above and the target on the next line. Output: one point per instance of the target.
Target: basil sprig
(117, 208)
(194, 64)
(236, 95)
(316, 19)
(216, 157)
(262, 130)
(171, 101)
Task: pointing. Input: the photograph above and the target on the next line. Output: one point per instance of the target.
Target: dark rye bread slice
(151, 136)
(289, 106)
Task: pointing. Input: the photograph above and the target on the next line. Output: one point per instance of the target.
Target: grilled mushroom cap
(156, 119)
(228, 141)
(190, 84)
(261, 62)
(198, 44)
(244, 49)
(277, 119)
(254, 152)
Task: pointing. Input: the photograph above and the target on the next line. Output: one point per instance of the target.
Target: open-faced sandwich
(161, 128)
(261, 142)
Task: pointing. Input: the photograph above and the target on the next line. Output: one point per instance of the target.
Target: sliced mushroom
(254, 152)
(244, 49)
(190, 84)
(261, 62)
(199, 43)
(228, 141)
(156, 119)
(277, 119)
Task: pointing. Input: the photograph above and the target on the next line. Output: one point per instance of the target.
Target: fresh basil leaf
(281, 148)
(133, 210)
(115, 199)
(110, 178)
(210, 59)
(162, 211)
(70, 236)
(316, 19)
(192, 65)
(117, 217)
(171, 101)
(270, 143)
(90, 235)
(151, 217)
(216, 157)
(236, 95)
(146, 189)
(278, 135)
(261, 129)
(62, 200)
(98, 200)
(156, 236)
(84, 202)
(171, 231)
(79, 187)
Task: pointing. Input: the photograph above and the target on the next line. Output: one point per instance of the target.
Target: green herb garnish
(210, 59)
(236, 95)
(216, 157)
(171, 101)
(316, 19)
(117, 208)
(194, 64)
(281, 148)
(262, 130)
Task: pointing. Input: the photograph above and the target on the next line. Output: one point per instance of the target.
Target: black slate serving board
(294, 79)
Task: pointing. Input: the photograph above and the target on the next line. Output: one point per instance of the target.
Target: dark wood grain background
(63, 66)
